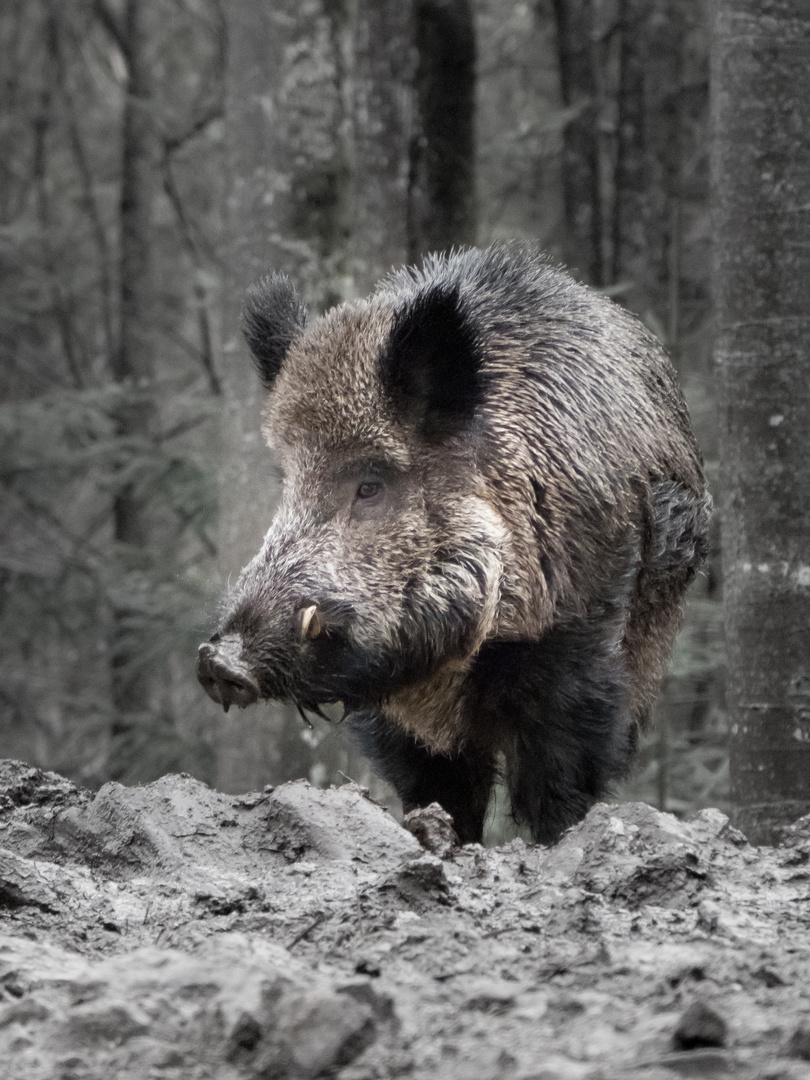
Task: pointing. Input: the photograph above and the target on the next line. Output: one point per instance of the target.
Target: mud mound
(172, 931)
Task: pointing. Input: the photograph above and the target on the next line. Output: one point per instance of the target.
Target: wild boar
(492, 507)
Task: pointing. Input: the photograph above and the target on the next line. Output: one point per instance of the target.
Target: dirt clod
(700, 1026)
(433, 828)
(799, 1045)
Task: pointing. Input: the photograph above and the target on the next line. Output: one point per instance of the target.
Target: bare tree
(761, 147)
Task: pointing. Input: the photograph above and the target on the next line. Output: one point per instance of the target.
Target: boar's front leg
(563, 698)
(460, 783)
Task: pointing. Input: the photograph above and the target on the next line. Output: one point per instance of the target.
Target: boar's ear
(272, 318)
(431, 364)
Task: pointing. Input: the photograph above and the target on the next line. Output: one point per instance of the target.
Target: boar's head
(383, 564)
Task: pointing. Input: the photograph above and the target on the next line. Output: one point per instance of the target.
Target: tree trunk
(442, 184)
(135, 681)
(317, 120)
(518, 172)
(383, 121)
(645, 234)
(581, 167)
(761, 176)
(288, 209)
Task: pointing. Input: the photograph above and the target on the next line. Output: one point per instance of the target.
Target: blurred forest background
(157, 156)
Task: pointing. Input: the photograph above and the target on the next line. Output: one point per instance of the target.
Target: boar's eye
(368, 489)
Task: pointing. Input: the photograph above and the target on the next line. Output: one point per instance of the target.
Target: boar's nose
(224, 674)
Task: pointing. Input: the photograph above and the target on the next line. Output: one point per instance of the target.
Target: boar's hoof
(307, 622)
(223, 673)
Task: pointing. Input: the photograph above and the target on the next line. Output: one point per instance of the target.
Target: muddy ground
(175, 932)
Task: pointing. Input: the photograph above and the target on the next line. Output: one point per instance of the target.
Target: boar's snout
(224, 675)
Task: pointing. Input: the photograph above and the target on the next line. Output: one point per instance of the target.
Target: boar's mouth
(236, 668)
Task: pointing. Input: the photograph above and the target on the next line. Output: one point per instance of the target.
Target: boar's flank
(493, 504)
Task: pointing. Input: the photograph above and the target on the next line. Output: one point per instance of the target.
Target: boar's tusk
(303, 715)
(309, 625)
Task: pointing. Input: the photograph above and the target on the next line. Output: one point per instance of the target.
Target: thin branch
(206, 352)
(85, 553)
(321, 917)
(110, 23)
(196, 243)
(181, 428)
(187, 520)
(213, 111)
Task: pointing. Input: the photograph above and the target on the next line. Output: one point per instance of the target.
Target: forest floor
(175, 932)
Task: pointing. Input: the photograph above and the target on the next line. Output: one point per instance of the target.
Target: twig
(193, 245)
(110, 24)
(322, 916)
(213, 112)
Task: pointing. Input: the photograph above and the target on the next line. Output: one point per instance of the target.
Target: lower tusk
(304, 716)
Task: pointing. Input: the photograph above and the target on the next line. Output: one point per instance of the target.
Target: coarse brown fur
(494, 500)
